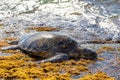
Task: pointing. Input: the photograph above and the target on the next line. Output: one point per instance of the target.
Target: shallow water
(110, 63)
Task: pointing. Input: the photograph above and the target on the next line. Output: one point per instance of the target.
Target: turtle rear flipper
(13, 47)
(57, 58)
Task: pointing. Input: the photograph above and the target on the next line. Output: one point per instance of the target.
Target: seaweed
(105, 48)
(45, 28)
(97, 76)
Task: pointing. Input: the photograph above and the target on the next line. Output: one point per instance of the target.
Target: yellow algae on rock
(105, 48)
(57, 77)
(70, 62)
(20, 66)
(3, 43)
(100, 59)
(11, 64)
(17, 66)
(84, 62)
(97, 76)
(44, 28)
(108, 48)
(23, 67)
(10, 38)
(12, 51)
(26, 72)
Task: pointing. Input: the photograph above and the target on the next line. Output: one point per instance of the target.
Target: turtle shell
(47, 44)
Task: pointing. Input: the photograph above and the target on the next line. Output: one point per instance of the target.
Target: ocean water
(80, 19)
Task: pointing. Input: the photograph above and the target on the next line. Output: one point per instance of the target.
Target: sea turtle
(52, 47)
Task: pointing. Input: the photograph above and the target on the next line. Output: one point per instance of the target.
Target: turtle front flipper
(57, 58)
(13, 47)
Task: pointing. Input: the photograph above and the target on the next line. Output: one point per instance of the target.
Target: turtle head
(87, 53)
(70, 47)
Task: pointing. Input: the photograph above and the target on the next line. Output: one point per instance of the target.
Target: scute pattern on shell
(41, 42)
(35, 43)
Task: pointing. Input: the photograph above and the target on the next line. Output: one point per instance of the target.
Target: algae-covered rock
(97, 76)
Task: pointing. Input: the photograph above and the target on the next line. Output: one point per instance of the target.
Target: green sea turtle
(52, 47)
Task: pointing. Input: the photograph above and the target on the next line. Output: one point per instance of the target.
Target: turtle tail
(13, 47)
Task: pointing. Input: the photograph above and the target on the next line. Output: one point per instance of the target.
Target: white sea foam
(88, 19)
